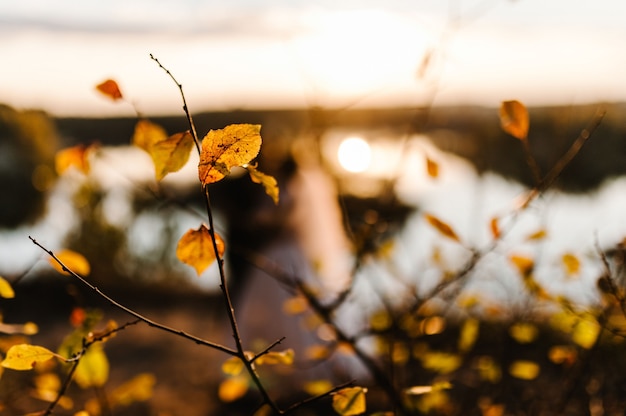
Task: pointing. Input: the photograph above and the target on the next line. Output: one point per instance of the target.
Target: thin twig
(267, 349)
(318, 397)
(131, 312)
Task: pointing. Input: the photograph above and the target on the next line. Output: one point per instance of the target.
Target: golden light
(354, 154)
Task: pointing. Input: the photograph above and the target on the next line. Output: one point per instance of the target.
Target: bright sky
(280, 53)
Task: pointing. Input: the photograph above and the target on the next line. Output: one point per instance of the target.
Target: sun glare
(354, 154)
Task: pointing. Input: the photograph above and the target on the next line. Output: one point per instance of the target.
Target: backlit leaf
(349, 401)
(269, 182)
(76, 156)
(110, 89)
(277, 357)
(563, 354)
(380, 320)
(137, 389)
(295, 305)
(586, 332)
(234, 145)
(537, 235)
(168, 153)
(26, 357)
(195, 248)
(494, 227)
(469, 333)
(525, 265)
(232, 389)
(571, 264)
(514, 119)
(524, 370)
(6, 291)
(442, 227)
(523, 332)
(432, 168)
(488, 369)
(441, 362)
(74, 261)
(317, 352)
(317, 387)
(233, 366)
(93, 368)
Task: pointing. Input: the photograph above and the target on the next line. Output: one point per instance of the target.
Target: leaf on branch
(524, 265)
(168, 153)
(234, 145)
(26, 357)
(93, 368)
(6, 291)
(514, 119)
(269, 182)
(233, 366)
(110, 89)
(233, 388)
(317, 387)
(494, 227)
(195, 248)
(523, 332)
(571, 264)
(349, 401)
(524, 370)
(74, 261)
(277, 357)
(442, 227)
(432, 168)
(76, 156)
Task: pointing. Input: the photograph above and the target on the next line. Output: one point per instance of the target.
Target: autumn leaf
(93, 368)
(233, 366)
(6, 291)
(349, 401)
(537, 235)
(277, 357)
(524, 370)
(195, 248)
(442, 227)
(514, 119)
(524, 265)
(586, 332)
(317, 387)
(571, 264)
(441, 362)
(234, 145)
(494, 226)
(488, 369)
(523, 332)
(295, 305)
(74, 261)
(76, 156)
(168, 153)
(110, 89)
(432, 168)
(232, 389)
(26, 357)
(563, 354)
(269, 182)
(469, 333)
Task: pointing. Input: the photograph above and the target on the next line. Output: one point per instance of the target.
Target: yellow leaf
(93, 368)
(432, 168)
(195, 248)
(137, 389)
(380, 320)
(317, 387)
(442, 227)
(76, 156)
(233, 366)
(234, 145)
(523, 332)
(349, 401)
(441, 362)
(232, 389)
(47, 387)
(317, 352)
(26, 357)
(277, 357)
(524, 370)
(525, 265)
(74, 261)
(586, 332)
(295, 305)
(269, 182)
(6, 291)
(469, 333)
(514, 119)
(494, 226)
(537, 235)
(488, 369)
(571, 264)
(168, 153)
(110, 89)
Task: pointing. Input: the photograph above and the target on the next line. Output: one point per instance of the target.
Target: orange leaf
(537, 235)
(195, 248)
(77, 156)
(169, 154)
(525, 265)
(494, 226)
(514, 119)
(110, 89)
(432, 168)
(442, 227)
(232, 389)
(571, 264)
(234, 145)
(269, 182)
(74, 261)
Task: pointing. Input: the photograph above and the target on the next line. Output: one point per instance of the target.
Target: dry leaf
(74, 261)
(349, 401)
(234, 145)
(571, 264)
(195, 248)
(432, 168)
(76, 156)
(525, 265)
(442, 227)
(494, 226)
(514, 119)
(269, 182)
(110, 89)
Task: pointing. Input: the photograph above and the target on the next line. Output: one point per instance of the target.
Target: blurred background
(372, 113)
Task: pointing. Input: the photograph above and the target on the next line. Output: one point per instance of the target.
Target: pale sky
(282, 53)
